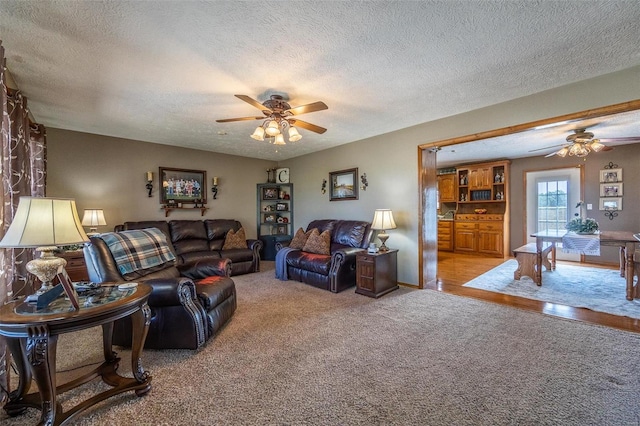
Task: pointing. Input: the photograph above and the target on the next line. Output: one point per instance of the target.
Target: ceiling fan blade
(308, 126)
(627, 139)
(227, 120)
(551, 155)
(548, 147)
(304, 109)
(254, 103)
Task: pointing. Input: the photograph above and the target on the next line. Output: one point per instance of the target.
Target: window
(552, 204)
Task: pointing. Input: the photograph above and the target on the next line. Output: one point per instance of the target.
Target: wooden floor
(454, 270)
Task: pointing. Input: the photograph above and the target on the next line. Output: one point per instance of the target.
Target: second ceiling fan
(278, 117)
(580, 143)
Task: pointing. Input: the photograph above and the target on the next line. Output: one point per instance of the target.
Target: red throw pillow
(318, 243)
(235, 240)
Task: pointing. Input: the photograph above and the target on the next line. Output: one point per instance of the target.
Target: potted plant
(582, 226)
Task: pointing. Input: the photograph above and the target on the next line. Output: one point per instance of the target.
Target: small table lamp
(93, 218)
(383, 220)
(44, 224)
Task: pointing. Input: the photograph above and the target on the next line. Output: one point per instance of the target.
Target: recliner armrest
(170, 291)
(204, 268)
(254, 245)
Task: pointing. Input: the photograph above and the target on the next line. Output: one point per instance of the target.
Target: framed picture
(68, 287)
(270, 218)
(343, 185)
(281, 207)
(182, 186)
(270, 193)
(281, 229)
(611, 189)
(611, 175)
(611, 203)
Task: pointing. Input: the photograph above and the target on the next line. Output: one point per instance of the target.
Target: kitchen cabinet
(447, 188)
(445, 235)
(479, 234)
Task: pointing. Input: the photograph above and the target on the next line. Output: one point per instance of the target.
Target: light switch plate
(589, 206)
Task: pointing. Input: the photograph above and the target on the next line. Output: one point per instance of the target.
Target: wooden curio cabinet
(482, 219)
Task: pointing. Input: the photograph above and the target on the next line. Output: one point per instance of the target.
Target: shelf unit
(167, 209)
(274, 214)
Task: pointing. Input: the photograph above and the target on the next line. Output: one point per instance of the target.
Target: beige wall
(109, 172)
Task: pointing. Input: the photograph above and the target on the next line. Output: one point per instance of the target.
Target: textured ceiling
(164, 71)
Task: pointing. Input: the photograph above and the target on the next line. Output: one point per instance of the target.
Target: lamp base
(46, 267)
(383, 237)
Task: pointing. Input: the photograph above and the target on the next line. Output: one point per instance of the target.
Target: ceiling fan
(580, 143)
(278, 117)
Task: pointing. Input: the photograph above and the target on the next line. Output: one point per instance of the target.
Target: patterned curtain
(23, 173)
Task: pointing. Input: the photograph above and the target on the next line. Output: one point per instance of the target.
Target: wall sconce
(364, 181)
(324, 186)
(214, 187)
(150, 182)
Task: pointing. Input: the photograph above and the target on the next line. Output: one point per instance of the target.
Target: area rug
(598, 289)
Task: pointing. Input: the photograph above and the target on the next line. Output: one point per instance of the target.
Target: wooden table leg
(553, 255)
(538, 272)
(17, 347)
(628, 248)
(140, 321)
(41, 353)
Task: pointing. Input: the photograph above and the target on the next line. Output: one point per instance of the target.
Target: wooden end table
(376, 273)
(32, 337)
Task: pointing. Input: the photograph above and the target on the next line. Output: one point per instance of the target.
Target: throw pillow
(235, 240)
(299, 239)
(318, 243)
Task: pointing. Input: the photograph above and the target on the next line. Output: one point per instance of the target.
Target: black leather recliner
(189, 303)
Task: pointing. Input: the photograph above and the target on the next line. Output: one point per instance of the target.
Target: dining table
(625, 240)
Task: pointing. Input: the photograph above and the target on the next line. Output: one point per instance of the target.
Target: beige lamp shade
(93, 218)
(44, 222)
(383, 220)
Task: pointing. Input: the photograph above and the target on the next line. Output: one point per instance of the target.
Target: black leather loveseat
(193, 240)
(189, 302)
(337, 270)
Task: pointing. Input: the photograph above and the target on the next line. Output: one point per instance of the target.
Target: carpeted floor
(598, 289)
(296, 355)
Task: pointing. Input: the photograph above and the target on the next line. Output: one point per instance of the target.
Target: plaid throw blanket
(138, 249)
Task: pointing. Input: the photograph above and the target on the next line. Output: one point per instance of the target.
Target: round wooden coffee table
(32, 336)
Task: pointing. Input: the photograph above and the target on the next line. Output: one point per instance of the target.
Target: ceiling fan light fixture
(596, 146)
(563, 152)
(273, 128)
(579, 150)
(279, 140)
(294, 135)
(258, 134)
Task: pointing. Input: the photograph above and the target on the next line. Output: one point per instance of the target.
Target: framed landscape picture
(343, 185)
(611, 203)
(182, 186)
(611, 175)
(611, 189)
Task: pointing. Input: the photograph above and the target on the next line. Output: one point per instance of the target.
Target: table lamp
(44, 224)
(383, 220)
(93, 218)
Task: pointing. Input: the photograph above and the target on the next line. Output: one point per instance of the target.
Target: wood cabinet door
(490, 238)
(447, 188)
(465, 237)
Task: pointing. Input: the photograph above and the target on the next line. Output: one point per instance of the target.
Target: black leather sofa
(337, 271)
(189, 302)
(193, 240)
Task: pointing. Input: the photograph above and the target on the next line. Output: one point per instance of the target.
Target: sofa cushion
(349, 232)
(318, 243)
(214, 290)
(217, 230)
(299, 239)
(235, 240)
(322, 225)
(318, 263)
(188, 236)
